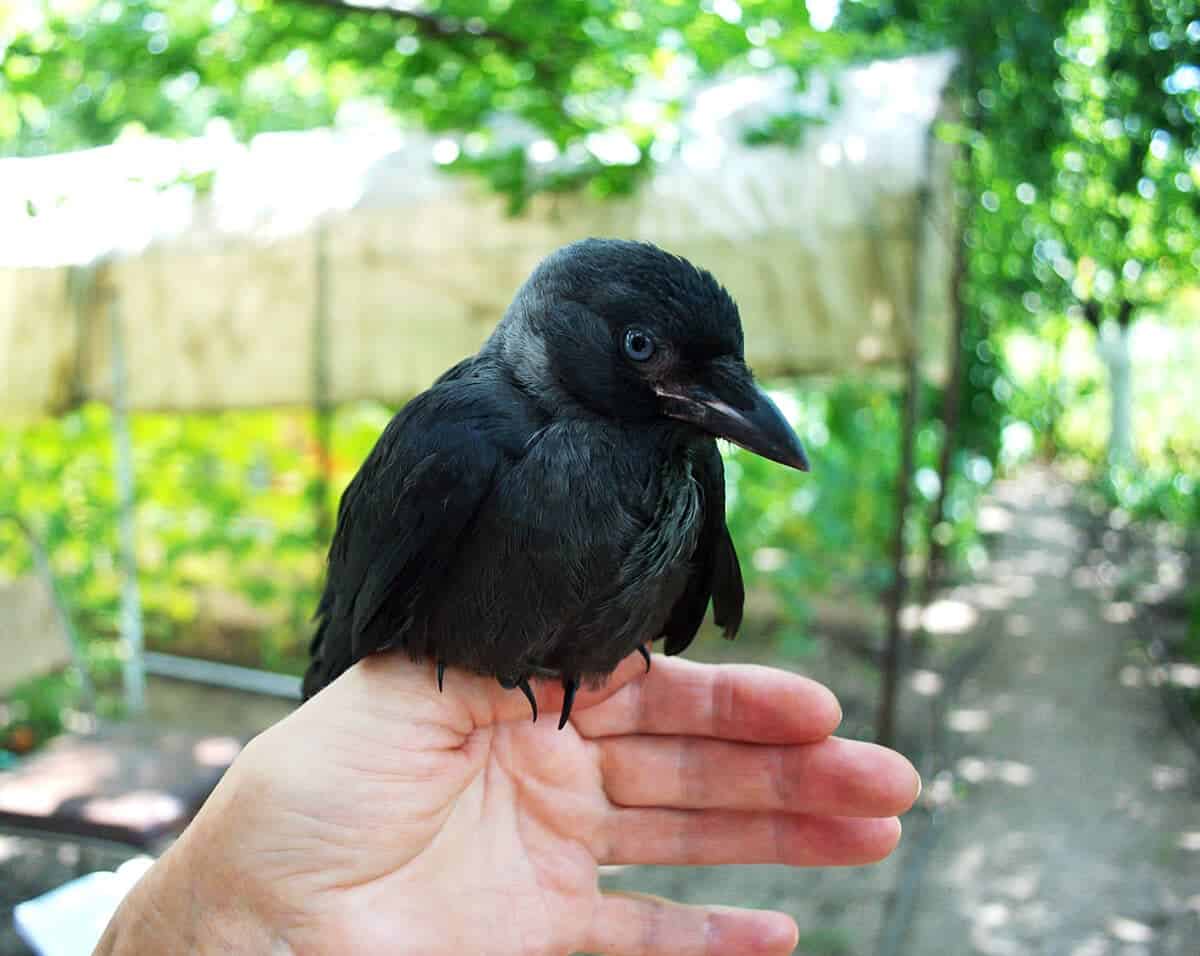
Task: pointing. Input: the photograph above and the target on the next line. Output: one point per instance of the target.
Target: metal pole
(229, 676)
(131, 598)
(885, 725)
(321, 389)
(951, 421)
(893, 653)
(960, 220)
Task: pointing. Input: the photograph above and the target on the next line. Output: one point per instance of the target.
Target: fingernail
(780, 936)
(740, 931)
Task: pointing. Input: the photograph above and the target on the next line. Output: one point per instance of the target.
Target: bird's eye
(639, 346)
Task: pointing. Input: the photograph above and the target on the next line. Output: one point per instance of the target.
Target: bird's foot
(441, 669)
(522, 684)
(570, 685)
(646, 655)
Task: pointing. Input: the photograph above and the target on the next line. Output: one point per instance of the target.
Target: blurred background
(236, 235)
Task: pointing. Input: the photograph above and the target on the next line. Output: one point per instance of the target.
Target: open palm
(384, 817)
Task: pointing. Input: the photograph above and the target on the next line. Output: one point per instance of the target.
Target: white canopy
(220, 290)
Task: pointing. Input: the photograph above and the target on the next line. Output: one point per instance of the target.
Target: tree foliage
(76, 73)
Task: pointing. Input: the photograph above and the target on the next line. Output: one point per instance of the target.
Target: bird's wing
(716, 572)
(402, 517)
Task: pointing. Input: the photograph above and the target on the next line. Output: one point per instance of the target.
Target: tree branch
(429, 25)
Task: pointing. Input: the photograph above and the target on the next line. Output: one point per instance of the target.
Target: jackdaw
(557, 501)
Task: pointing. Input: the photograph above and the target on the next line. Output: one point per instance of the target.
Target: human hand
(385, 817)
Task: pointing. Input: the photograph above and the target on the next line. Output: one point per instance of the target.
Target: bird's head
(635, 333)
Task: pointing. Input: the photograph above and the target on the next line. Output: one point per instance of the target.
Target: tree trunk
(1113, 346)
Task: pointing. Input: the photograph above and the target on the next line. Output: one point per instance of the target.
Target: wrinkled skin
(384, 817)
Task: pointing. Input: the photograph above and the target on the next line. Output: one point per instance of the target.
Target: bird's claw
(570, 685)
(441, 671)
(522, 683)
(646, 655)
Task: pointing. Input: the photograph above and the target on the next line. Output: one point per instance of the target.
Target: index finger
(727, 701)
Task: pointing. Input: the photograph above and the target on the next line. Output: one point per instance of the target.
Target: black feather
(539, 511)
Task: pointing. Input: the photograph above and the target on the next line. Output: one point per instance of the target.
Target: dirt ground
(1072, 820)
(1061, 811)
(29, 867)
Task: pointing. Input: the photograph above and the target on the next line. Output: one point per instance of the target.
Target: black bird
(555, 502)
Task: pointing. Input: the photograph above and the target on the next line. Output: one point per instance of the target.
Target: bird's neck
(523, 359)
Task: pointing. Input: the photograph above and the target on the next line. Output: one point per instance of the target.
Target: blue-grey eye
(639, 346)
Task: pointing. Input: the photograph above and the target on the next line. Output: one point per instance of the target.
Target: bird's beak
(734, 408)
